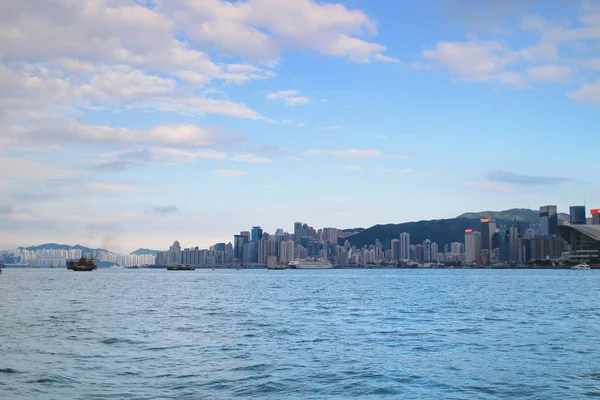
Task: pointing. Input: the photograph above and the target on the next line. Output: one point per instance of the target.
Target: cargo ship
(84, 264)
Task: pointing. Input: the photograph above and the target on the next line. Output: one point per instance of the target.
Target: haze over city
(127, 124)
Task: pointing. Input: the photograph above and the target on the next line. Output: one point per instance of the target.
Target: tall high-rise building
(472, 246)
(493, 229)
(396, 249)
(577, 214)
(405, 246)
(486, 242)
(297, 231)
(515, 244)
(419, 253)
(257, 233)
(434, 252)
(548, 221)
(238, 246)
(595, 216)
(427, 251)
(263, 250)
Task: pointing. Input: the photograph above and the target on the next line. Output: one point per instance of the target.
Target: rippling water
(463, 334)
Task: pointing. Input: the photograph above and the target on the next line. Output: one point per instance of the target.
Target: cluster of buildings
(575, 240)
(56, 258)
(490, 244)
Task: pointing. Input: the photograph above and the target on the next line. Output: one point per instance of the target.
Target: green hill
(140, 252)
(441, 231)
(55, 246)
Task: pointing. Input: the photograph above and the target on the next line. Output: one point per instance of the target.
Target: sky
(127, 124)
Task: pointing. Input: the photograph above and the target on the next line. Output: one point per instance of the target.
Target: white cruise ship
(310, 264)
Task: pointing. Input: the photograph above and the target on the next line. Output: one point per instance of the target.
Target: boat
(310, 264)
(581, 267)
(180, 267)
(132, 267)
(277, 267)
(84, 264)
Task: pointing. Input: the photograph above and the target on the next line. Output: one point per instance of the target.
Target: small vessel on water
(310, 264)
(277, 267)
(180, 267)
(132, 267)
(581, 267)
(84, 264)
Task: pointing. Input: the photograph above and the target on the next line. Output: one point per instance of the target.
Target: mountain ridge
(443, 231)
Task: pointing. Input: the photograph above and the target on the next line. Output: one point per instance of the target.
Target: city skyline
(125, 124)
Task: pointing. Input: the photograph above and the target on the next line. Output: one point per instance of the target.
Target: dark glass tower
(577, 215)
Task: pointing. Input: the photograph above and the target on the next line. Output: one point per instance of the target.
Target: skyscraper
(486, 242)
(472, 246)
(434, 252)
(577, 215)
(548, 221)
(238, 246)
(404, 246)
(595, 216)
(396, 249)
(427, 250)
(515, 241)
(297, 231)
(257, 233)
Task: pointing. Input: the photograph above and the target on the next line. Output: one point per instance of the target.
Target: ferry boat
(84, 264)
(180, 267)
(310, 264)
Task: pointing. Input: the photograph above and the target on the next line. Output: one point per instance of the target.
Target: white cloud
(487, 61)
(324, 101)
(249, 158)
(52, 131)
(110, 187)
(381, 137)
(230, 172)
(21, 168)
(353, 167)
(262, 29)
(406, 170)
(288, 97)
(588, 94)
(384, 58)
(352, 153)
(330, 127)
(549, 73)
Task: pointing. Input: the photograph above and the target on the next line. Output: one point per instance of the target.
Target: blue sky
(136, 123)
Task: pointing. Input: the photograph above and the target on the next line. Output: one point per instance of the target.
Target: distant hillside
(354, 230)
(525, 215)
(54, 246)
(140, 252)
(442, 231)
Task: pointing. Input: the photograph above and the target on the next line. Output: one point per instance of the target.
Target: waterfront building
(486, 242)
(584, 241)
(405, 246)
(257, 233)
(472, 246)
(577, 215)
(548, 221)
(434, 252)
(595, 216)
(395, 250)
(515, 242)
(427, 250)
(419, 253)
(297, 231)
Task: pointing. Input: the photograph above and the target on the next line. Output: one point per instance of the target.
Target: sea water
(299, 334)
